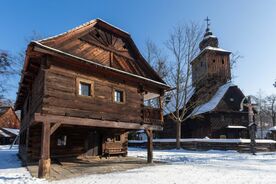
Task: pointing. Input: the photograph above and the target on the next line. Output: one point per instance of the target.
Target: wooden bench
(113, 148)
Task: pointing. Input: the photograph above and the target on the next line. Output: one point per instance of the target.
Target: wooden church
(217, 111)
(81, 92)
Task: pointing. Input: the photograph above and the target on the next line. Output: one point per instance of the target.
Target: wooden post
(27, 143)
(149, 146)
(45, 161)
(161, 108)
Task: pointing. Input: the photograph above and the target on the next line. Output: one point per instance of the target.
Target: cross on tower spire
(207, 22)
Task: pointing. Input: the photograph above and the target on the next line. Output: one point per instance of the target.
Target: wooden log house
(8, 118)
(81, 92)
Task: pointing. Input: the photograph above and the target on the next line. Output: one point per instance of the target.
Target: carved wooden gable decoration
(104, 44)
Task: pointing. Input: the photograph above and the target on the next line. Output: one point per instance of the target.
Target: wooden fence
(241, 145)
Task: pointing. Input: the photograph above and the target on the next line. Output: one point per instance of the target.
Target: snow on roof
(170, 107)
(272, 128)
(237, 127)
(3, 134)
(81, 26)
(211, 104)
(212, 49)
(215, 49)
(14, 131)
(209, 36)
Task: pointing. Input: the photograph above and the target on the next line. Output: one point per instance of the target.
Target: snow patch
(14, 131)
(236, 127)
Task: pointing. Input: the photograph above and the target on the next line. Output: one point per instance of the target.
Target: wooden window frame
(87, 81)
(113, 95)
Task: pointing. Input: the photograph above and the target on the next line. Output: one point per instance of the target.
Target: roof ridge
(79, 27)
(70, 30)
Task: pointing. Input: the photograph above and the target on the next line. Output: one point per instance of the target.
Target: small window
(214, 60)
(118, 96)
(84, 89)
(222, 61)
(201, 64)
(118, 138)
(62, 140)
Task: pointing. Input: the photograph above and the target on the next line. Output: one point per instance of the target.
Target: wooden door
(93, 144)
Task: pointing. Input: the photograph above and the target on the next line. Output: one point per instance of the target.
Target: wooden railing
(152, 115)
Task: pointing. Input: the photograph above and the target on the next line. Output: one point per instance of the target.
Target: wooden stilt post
(45, 161)
(149, 146)
(27, 143)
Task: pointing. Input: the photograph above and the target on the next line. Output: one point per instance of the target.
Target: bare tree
(11, 66)
(183, 45)
(235, 57)
(6, 70)
(262, 111)
(274, 84)
(20, 56)
(157, 59)
(272, 108)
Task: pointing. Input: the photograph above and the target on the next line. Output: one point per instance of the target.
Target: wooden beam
(55, 127)
(93, 122)
(27, 142)
(45, 161)
(149, 145)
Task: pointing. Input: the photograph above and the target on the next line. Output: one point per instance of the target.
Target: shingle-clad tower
(212, 65)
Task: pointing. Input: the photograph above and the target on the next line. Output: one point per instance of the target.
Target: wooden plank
(55, 127)
(93, 122)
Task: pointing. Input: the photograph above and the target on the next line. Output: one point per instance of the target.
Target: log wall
(61, 97)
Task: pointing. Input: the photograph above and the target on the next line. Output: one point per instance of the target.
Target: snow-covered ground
(182, 167)
(11, 170)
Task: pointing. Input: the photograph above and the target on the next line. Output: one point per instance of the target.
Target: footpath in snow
(183, 167)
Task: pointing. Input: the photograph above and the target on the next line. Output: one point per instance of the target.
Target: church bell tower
(212, 65)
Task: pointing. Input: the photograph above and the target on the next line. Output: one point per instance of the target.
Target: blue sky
(247, 27)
